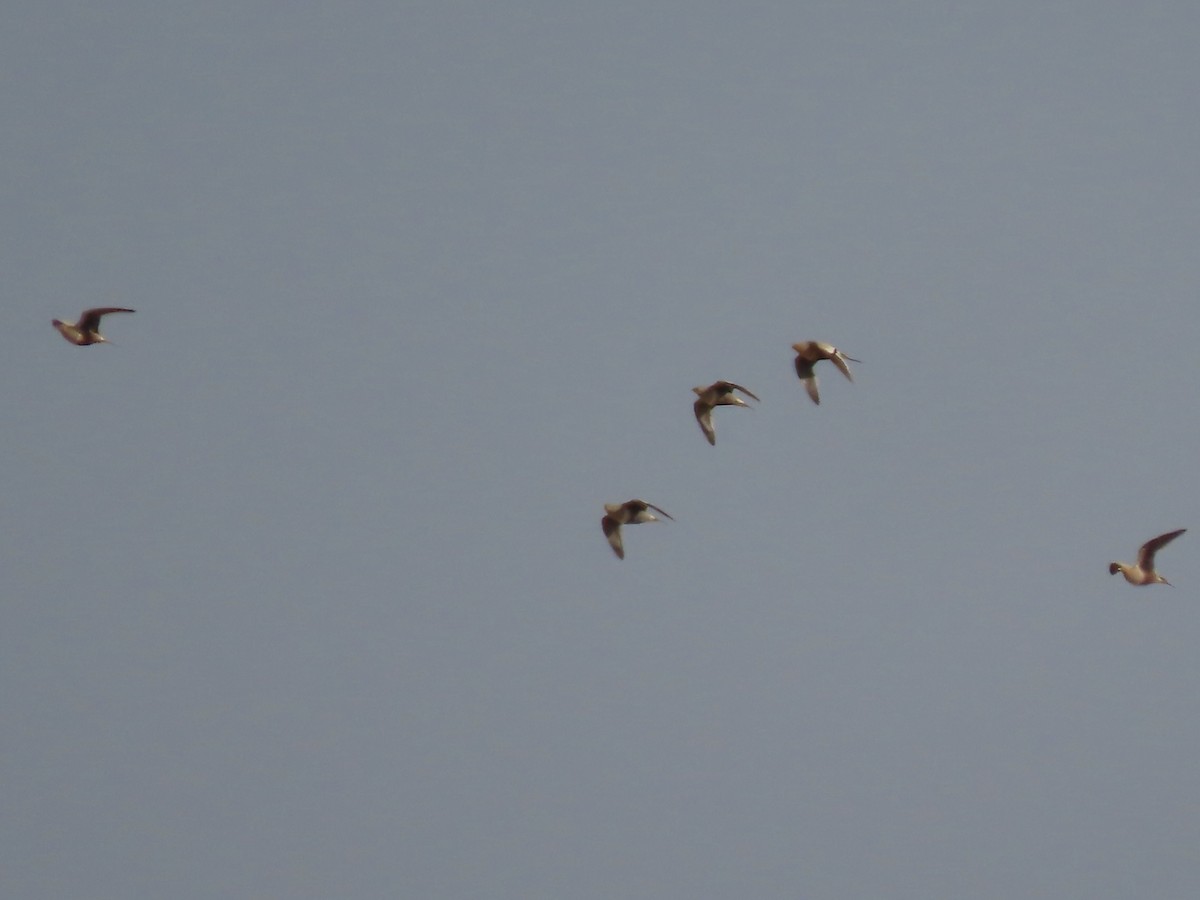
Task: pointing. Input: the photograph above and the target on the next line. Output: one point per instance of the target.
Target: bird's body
(631, 512)
(808, 354)
(719, 393)
(1143, 572)
(87, 329)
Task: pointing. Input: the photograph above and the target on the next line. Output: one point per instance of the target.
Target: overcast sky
(304, 588)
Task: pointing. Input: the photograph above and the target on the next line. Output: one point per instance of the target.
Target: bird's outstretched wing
(659, 509)
(704, 417)
(839, 360)
(89, 320)
(1152, 546)
(612, 531)
(738, 387)
(804, 369)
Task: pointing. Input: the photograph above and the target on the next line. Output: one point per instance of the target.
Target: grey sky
(305, 593)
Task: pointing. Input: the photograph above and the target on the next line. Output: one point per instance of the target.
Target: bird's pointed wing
(89, 320)
(810, 385)
(738, 387)
(1152, 546)
(612, 531)
(704, 417)
(840, 361)
(661, 510)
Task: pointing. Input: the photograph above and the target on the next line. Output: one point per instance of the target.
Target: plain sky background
(304, 588)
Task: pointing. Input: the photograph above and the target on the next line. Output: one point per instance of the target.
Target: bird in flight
(719, 393)
(1143, 573)
(808, 354)
(631, 512)
(87, 329)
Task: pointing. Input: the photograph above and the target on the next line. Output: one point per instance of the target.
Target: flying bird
(631, 512)
(87, 329)
(1143, 573)
(808, 354)
(719, 393)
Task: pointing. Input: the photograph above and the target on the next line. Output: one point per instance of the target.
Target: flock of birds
(808, 354)
(720, 393)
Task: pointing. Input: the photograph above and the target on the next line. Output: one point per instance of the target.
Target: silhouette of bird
(1143, 573)
(719, 393)
(631, 512)
(87, 329)
(808, 354)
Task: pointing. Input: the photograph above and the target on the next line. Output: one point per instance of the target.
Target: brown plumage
(808, 354)
(719, 393)
(87, 329)
(631, 512)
